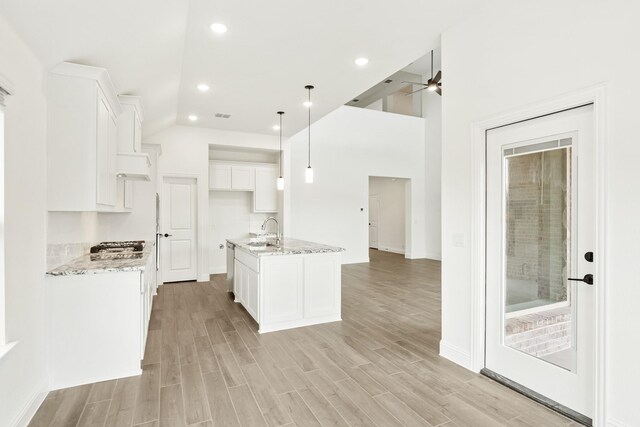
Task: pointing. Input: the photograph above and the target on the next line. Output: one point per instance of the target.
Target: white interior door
(374, 207)
(178, 220)
(540, 230)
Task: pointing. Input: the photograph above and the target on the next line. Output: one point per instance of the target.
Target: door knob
(588, 279)
(588, 256)
(164, 235)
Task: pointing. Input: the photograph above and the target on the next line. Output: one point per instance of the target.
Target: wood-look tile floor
(206, 365)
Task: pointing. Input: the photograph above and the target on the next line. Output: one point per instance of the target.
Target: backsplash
(61, 253)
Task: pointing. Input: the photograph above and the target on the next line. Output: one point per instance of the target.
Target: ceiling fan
(432, 85)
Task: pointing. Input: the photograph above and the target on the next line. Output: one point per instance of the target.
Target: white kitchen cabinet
(82, 139)
(265, 196)
(282, 289)
(124, 196)
(219, 176)
(231, 176)
(97, 324)
(242, 178)
(288, 291)
(133, 164)
(246, 287)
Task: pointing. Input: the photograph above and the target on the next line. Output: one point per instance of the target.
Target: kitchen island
(296, 283)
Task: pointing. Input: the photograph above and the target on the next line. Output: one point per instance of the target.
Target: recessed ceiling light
(307, 104)
(203, 87)
(276, 127)
(193, 117)
(361, 61)
(218, 28)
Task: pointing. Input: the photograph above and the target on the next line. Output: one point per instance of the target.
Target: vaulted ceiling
(162, 50)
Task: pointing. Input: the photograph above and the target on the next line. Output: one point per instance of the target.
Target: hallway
(205, 364)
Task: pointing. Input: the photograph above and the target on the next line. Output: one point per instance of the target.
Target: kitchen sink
(258, 245)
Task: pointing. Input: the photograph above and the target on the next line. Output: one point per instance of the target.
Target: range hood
(133, 164)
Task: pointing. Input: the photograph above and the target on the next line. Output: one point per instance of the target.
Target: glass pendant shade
(280, 183)
(308, 176)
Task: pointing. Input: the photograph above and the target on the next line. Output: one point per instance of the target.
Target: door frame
(408, 214)
(199, 225)
(377, 196)
(595, 95)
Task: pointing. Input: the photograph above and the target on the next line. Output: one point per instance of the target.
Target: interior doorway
(388, 214)
(179, 248)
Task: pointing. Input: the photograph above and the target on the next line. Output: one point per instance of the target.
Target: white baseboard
(203, 278)
(411, 255)
(392, 250)
(220, 269)
(31, 406)
(433, 256)
(355, 260)
(456, 355)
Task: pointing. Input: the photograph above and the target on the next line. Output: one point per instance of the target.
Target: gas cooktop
(118, 247)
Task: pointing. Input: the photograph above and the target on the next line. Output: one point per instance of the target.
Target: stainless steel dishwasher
(231, 254)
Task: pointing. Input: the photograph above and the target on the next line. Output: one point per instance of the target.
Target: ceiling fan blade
(416, 91)
(439, 91)
(438, 76)
(415, 83)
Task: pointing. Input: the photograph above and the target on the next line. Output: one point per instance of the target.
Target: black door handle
(588, 279)
(164, 235)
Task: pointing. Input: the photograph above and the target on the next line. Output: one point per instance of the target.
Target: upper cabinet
(242, 178)
(83, 139)
(133, 164)
(238, 176)
(265, 197)
(231, 176)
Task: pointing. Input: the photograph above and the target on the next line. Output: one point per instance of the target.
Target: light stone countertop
(288, 246)
(104, 263)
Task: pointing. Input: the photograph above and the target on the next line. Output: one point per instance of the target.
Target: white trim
(597, 96)
(6, 348)
(434, 256)
(6, 84)
(201, 235)
(281, 326)
(23, 418)
(362, 260)
(393, 250)
(456, 355)
(220, 269)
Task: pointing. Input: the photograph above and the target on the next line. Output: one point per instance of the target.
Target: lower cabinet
(289, 291)
(246, 286)
(98, 325)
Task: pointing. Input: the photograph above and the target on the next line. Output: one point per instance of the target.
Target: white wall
(349, 145)
(527, 53)
(23, 373)
(230, 217)
(391, 212)
(185, 150)
(432, 112)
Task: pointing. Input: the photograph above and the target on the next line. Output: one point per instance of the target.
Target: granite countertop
(288, 246)
(104, 263)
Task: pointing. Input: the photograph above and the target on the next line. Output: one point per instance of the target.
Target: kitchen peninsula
(296, 283)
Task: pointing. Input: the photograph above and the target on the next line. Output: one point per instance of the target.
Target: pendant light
(309, 172)
(280, 180)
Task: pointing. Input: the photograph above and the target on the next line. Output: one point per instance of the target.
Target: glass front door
(540, 206)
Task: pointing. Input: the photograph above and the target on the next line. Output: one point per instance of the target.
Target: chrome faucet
(264, 227)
